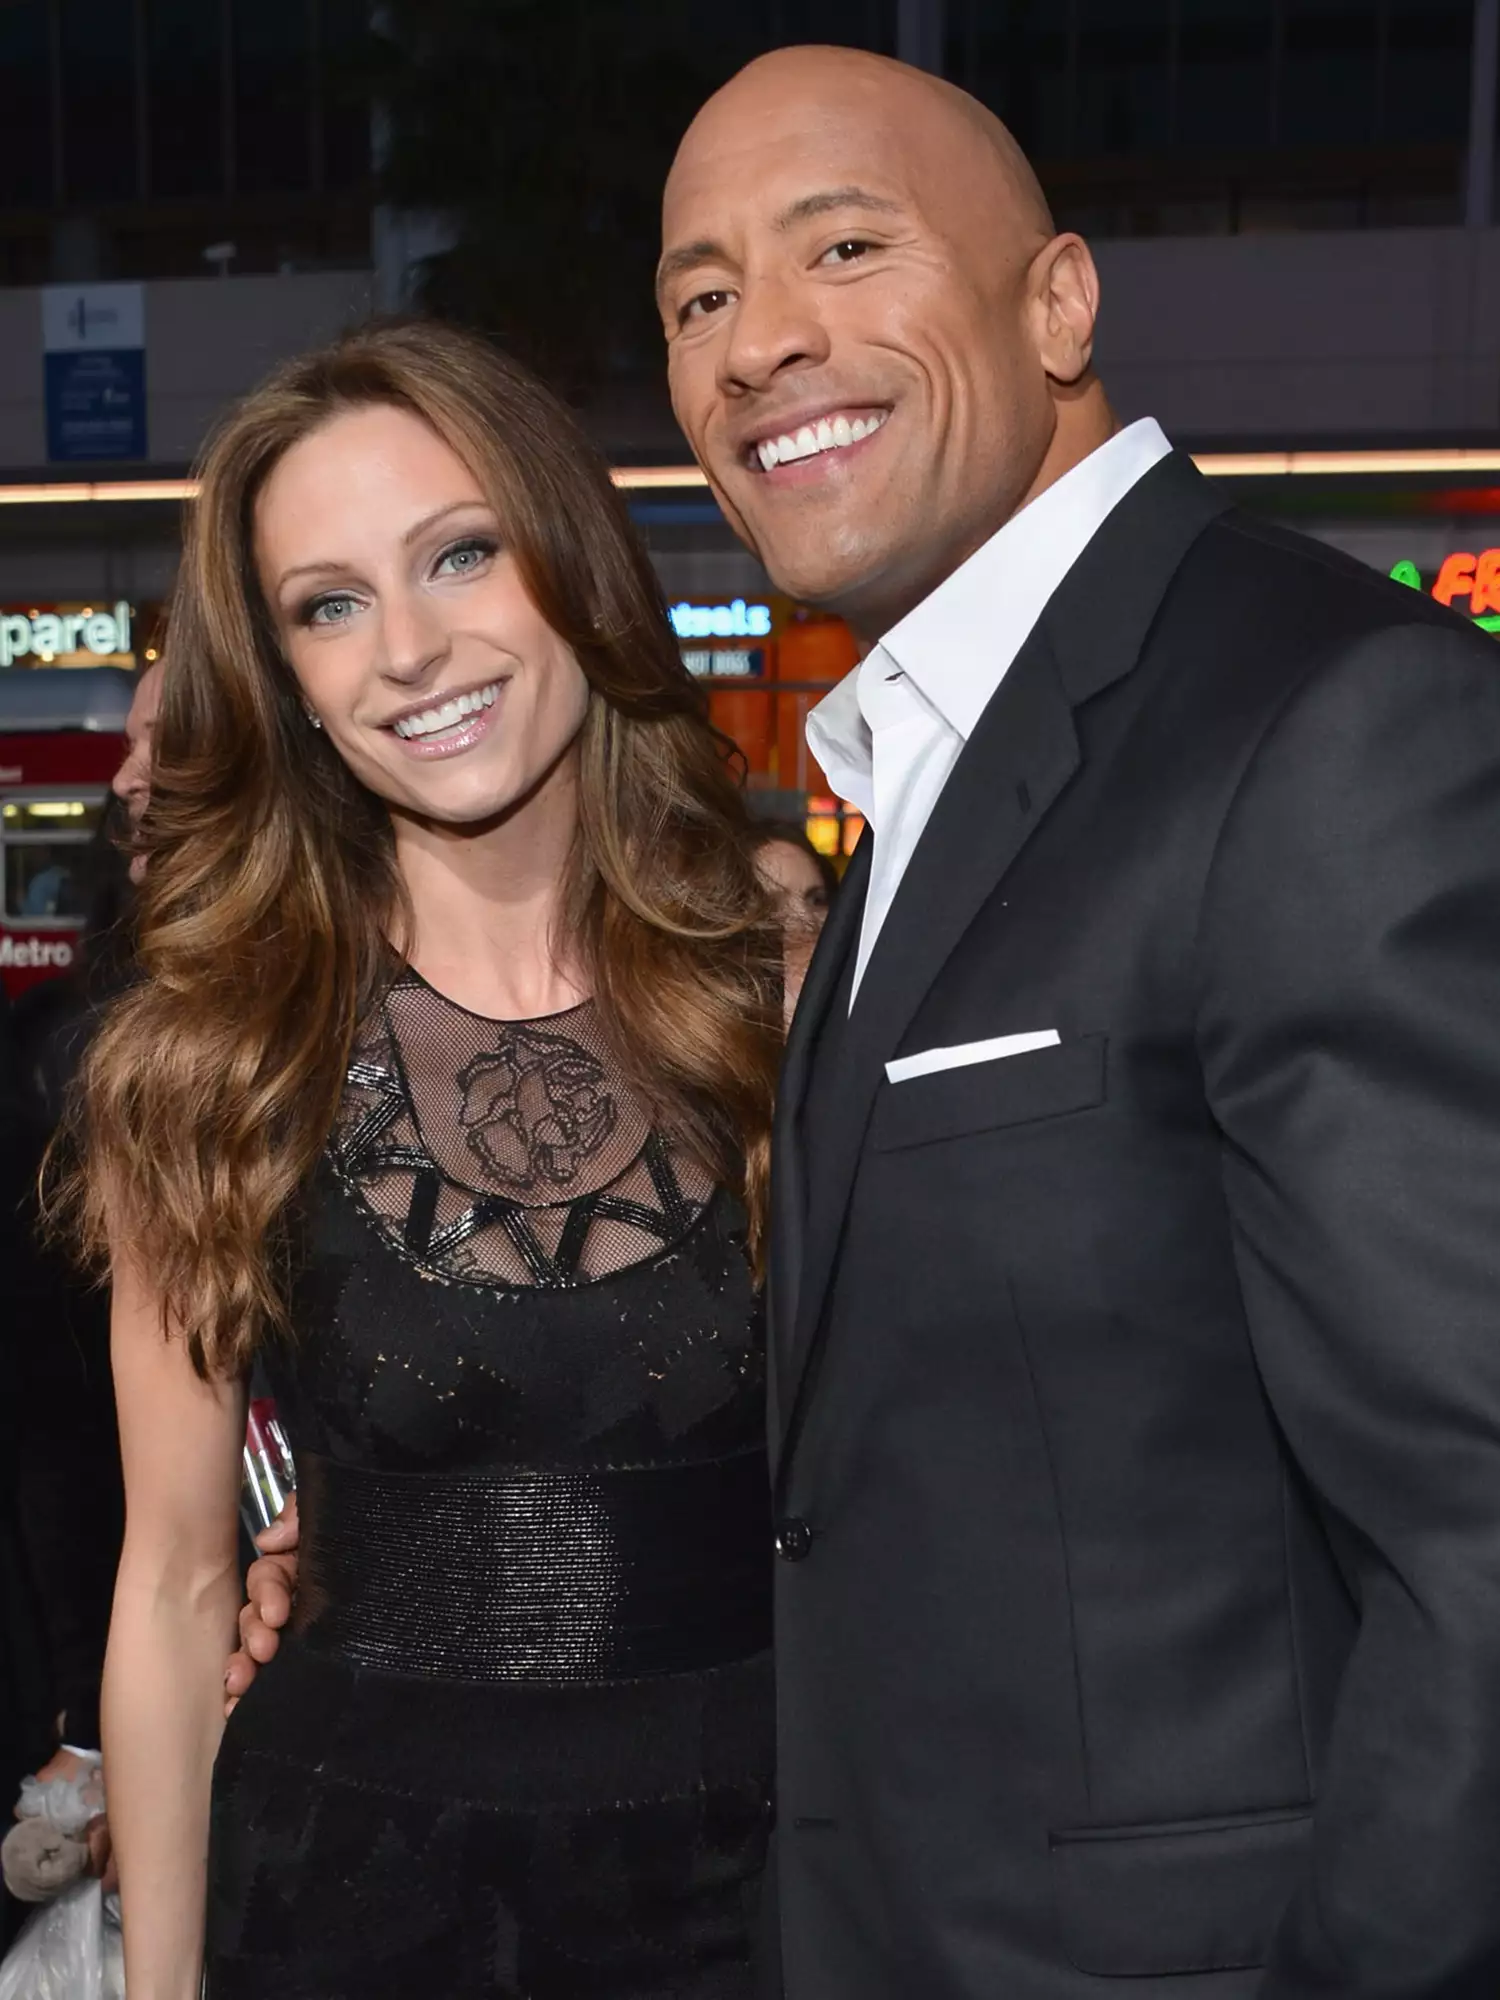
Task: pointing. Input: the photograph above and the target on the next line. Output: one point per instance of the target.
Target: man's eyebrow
(807, 207)
(687, 257)
(810, 206)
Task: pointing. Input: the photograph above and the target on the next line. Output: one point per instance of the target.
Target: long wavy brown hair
(271, 911)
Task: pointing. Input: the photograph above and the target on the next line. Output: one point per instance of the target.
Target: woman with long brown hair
(445, 1091)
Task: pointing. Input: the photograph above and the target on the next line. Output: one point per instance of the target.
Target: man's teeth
(447, 714)
(825, 435)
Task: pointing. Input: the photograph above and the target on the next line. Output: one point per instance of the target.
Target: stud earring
(315, 719)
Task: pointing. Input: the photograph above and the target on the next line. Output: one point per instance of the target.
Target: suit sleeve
(1350, 1036)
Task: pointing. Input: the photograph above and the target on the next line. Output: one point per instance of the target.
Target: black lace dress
(519, 1739)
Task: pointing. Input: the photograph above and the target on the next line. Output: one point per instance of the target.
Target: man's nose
(776, 326)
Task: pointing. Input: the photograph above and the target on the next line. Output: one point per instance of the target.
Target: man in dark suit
(1136, 1263)
(1136, 1271)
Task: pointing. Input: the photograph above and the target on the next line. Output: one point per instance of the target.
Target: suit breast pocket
(984, 1097)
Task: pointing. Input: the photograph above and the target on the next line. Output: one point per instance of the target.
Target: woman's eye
(704, 304)
(847, 252)
(464, 558)
(330, 610)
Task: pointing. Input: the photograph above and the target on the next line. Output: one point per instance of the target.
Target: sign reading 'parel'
(66, 635)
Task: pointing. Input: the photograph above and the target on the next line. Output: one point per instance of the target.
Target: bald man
(1136, 1260)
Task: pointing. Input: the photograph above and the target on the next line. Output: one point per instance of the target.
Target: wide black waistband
(537, 1576)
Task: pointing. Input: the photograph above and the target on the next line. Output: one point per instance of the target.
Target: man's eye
(848, 252)
(704, 304)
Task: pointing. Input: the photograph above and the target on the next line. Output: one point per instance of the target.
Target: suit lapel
(1013, 767)
(821, 988)
(1010, 773)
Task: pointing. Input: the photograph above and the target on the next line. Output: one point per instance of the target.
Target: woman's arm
(174, 1619)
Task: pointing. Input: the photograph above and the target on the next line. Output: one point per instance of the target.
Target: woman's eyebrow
(326, 565)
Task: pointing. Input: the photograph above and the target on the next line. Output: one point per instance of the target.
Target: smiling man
(1134, 1302)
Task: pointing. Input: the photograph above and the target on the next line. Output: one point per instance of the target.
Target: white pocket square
(961, 1053)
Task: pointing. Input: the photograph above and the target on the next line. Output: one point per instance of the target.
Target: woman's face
(796, 881)
(406, 623)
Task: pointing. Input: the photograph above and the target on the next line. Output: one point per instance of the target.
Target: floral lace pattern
(535, 1108)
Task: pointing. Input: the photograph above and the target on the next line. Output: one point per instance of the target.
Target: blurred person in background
(26, 1712)
(69, 1488)
(132, 782)
(447, 1090)
(802, 882)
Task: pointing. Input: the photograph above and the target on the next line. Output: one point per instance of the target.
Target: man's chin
(835, 580)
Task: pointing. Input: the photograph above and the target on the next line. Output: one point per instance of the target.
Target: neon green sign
(1462, 575)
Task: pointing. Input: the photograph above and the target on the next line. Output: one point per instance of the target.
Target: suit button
(794, 1539)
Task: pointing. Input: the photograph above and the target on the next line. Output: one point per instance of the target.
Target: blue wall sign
(94, 371)
(96, 404)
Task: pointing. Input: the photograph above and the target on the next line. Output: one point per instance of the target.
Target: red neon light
(1485, 595)
(1455, 578)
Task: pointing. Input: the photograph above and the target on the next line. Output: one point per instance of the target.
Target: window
(1019, 59)
(25, 90)
(46, 849)
(1326, 89)
(273, 73)
(1124, 76)
(345, 108)
(1224, 75)
(185, 96)
(97, 39)
(1426, 95)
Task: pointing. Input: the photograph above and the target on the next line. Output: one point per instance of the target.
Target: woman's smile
(449, 724)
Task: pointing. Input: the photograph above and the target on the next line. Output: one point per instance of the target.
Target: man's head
(131, 784)
(849, 242)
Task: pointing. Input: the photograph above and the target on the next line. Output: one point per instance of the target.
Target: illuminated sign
(1476, 578)
(70, 637)
(720, 662)
(34, 954)
(738, 620)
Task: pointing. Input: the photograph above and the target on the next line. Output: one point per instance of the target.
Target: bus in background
(62, 737)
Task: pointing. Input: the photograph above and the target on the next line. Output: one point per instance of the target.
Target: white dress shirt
(891, 731)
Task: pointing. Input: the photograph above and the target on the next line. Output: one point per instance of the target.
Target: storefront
(61, 741)
(767, 662)
(118, 634)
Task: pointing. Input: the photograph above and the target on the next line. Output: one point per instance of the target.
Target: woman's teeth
(448, 714)
(828, 434)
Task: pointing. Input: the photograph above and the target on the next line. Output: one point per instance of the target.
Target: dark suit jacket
(1138, 1399)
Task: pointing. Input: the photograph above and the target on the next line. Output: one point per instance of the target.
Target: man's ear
(1063, 286)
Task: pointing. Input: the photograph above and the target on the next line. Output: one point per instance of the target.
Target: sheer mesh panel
(507, 1153)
